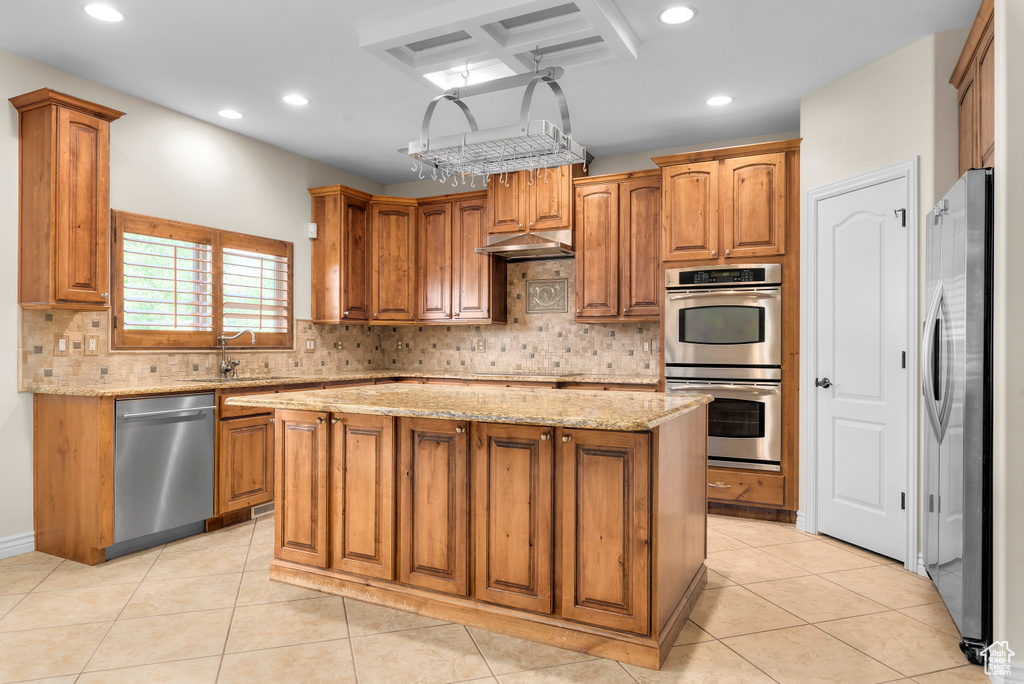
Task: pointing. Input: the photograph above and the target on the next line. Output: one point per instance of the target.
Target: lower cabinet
(300, 528)
(245, 466)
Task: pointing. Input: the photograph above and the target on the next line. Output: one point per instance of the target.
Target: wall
(163, 164)
(899, 107)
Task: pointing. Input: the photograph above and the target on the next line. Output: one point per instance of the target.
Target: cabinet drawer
(743, 487)
(228, 411)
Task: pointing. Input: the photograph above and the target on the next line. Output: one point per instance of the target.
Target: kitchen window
(179, 285)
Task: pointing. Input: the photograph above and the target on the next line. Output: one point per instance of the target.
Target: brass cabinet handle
(714, 252)
(460, 429)
(566, 438)
(531, 224)
(105, 295)
(719, 486)
(456, 314)
(319, 421)
(520, 226)
(578, 311)
(346, 313)
(335, 421)
(374, 315)
(545, 437)
(728, 252)
(271, 421)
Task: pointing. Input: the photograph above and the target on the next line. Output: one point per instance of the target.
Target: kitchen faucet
(227, 366)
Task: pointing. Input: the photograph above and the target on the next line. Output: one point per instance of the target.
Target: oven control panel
(761, 274)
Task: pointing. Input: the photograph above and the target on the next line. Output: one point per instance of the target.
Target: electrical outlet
(481, 345)
(400, 344)
(310, 345)
(92, 345)
(60, 345)
(647, 347)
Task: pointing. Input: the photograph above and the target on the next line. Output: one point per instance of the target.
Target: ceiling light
(718, 100)
(103, 12)
(676, 15)
(230, 114)
(296, 99)
(469, 74)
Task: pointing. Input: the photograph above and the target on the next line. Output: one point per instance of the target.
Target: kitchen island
(571, 519)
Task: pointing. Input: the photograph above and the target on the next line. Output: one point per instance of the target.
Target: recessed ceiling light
(296, 99)
(718, 100)
(230, 114)
(676, 15)
(103, 12)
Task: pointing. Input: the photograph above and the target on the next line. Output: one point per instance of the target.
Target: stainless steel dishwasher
(163, 470)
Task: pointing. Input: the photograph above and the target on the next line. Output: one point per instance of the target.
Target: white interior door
(863, 301)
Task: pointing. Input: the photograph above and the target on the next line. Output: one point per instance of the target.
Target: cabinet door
(83, 212)
(513, 515)
(357, 262)
(434, 270)
(639, 228)
(606, 528)
(968, 131)
(363, 495)
(549, 198)
(300, 454)
(690, 203)
(506, 203)
(245, 463)
(433, 505)
(477, 280)
(597, 255)
(754, 205)
(326, 259)
(986, 125)
(394, 250)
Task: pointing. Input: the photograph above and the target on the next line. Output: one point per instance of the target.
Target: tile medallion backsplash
(73, 347)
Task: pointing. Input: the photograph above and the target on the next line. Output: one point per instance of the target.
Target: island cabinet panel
(362, 495)
(433, 505)
(754, 205)
(434, 271)
(513, 515)
(606, 529)
(691, 211)
(394, 262)
(246, 463)
(597, 261)
(302, 460)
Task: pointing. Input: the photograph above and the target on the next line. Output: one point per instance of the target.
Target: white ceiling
(200, 56)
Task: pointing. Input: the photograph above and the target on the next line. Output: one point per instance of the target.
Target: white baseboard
(921, 569)
(17, 543)
(801, 521)
(1016, 675)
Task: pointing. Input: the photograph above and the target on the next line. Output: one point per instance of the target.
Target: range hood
(529, 246)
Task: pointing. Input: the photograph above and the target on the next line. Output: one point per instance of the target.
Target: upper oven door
(724, 327)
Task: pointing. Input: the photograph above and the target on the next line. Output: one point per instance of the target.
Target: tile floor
(780, 606)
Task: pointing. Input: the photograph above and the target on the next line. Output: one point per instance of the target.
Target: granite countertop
(209, 385)
(586, 409)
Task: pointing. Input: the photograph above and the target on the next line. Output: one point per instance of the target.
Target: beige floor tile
(691, 634)
(259, 558)
(264, 536)
(818, 557)
(480, 680)
(68, 607)
(751, 565)
(188, 594)
(31, 558)
(904, 644)
(934, 615)
(194, 671)
(8, 601)
(852, 548)
(432, 654)
(21, 579)
(968, 674)
(705, 663)
(67, 679)
(722, 542)
(211, 561)
(592, 672)
(888, 585)
(49, 652)
(235, 535)
(257, 587)
(507, 654)
(805, 654)
(761, 533)
(124, 570)
(731, 611)
(270, 625)
(143, 641)
(715, 580)
(814, 599)
(367, 618)
(719, 520)
(325, 662)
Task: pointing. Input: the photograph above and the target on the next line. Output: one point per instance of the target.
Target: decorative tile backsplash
(534, 341)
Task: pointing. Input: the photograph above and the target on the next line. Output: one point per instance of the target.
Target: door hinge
(903, 501)
(115, 322)
(901, 214)
(903, 363)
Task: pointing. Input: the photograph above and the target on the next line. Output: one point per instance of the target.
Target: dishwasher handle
(183, 412)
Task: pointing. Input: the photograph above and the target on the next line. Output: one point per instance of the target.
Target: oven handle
(742, 388)
(720, 293)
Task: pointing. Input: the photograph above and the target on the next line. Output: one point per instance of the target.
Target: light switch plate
(311, 231)
(61, 344)
(310, 345)
(92, 345)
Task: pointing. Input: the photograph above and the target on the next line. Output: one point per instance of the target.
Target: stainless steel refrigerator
(956, 381)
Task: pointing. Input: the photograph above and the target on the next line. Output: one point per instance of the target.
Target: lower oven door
(744, 422)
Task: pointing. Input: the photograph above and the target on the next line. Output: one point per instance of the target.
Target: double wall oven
(723, 337)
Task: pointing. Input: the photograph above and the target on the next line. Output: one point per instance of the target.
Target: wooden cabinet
(394, 260)
(753, 212)
(64, 201)
(300, 531)
(434, 268)
(245, 463)
(606, 512)
(690, 201)
(618, 224)
(479, 287)
(341, 261)
(433, 505)
(973, 78)
(530, 201)
(744, 487)
(513, 515)
(362, 495)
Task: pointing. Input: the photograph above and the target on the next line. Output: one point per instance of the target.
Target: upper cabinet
(341, 255)
(973, 79)
(434, 270)
(532, 200)
(478, 281)
(64, 201)
(393, 225)
(729, 204)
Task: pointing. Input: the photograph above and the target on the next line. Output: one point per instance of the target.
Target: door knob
(714, 252)
(335, 421)
(319, 420)
(460, 429)
(545, 437)
(271, 421)
(346, 313)
(823, 382)
(566, 438)
(531, 224)
(728, 252)
(105, 296)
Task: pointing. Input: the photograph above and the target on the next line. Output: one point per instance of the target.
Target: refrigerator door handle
(928, 362)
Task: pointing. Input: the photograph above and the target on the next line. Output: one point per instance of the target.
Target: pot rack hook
(465, 75)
